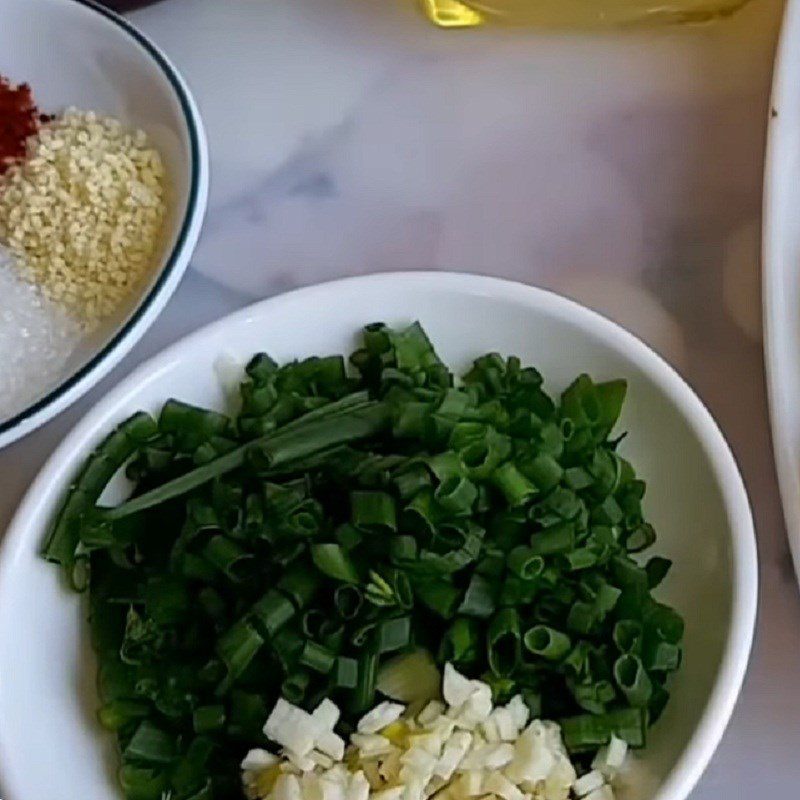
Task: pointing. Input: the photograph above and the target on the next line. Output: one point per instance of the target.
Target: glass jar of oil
(575, 13)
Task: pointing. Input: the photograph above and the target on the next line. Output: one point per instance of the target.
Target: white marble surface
(347, 136)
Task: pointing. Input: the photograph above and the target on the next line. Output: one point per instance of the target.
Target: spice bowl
(695, 500)
(77, 54)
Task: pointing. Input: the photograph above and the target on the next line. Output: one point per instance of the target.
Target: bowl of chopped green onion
(380, 539)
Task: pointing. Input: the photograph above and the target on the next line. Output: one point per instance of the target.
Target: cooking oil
(575, 13)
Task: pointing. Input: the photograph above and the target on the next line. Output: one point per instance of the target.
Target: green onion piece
(546, 642)
(441, 597)
(272, 612)
(364, 694)
(402, 548)
(287, 643)
(524, 563)
(503, 643)
(333, 561)
(332, 635)
(555, 540)
(348, 600)
(312, 622)
(577, 478)
(213, 605)
(208, 718)
(593, 696)
(247, 714)
(640, 538)
(411, 481)
(461, 642)
(119, 713)
(665, 623)
(363, 635)
(456, 495)
(166, 600)
(627, 636)
(306, 436)
(142, 783)
(300, 586)
(150, 745)
(544, 471)
(582, 558)
(657, 569)
(393, 590)
(373, 510)
(237, 648)
(83, 494)
(295, 685)
(316, 657)
(479, 600)
(345, 673)
(204, 793)
(663, 657)
(633, 680)
(513, 484)
(588, 732)
(227, 556)
(348, 536)
(393, 634)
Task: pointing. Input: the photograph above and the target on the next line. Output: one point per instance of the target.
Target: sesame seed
(83, 213)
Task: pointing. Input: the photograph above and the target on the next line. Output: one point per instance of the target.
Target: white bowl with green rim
(50, 743)
(77, 53)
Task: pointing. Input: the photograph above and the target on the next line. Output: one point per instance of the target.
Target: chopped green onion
(151, 745)
(333, 561)
(294, 686)
(503, 643)
(208, 718)
(546, 642)
(524, 563)
(272, 612)
(393, 634)
(632, 679)
(316, 657)
(555, 540)
(345, 674)
(373, 510)
(479, 600)
(363, 696)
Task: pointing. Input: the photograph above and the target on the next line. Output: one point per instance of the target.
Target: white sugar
(36, 339)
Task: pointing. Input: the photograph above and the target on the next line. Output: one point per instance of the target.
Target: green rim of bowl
(169, 265)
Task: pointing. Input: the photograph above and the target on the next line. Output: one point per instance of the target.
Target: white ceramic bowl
(76, 53)
(781, 271)
(49, 745)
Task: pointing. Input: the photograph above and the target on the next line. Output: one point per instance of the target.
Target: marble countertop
(622, 170)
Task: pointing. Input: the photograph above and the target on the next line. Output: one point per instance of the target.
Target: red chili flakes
(19, 119)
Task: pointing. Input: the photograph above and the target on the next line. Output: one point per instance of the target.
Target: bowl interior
(46, 676)
(71, 55)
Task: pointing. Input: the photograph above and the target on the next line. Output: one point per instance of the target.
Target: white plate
(50, 746)
(77, 53)
(781, 271)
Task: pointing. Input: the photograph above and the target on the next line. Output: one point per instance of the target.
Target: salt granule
(36, 338)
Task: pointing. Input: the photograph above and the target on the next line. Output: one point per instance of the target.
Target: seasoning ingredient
(19, 119)
(36, 338)
(83, 212)
(461, 748)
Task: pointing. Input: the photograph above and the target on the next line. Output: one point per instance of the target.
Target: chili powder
(19, 119)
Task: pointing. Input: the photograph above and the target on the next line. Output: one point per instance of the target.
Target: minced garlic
(83, 212)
